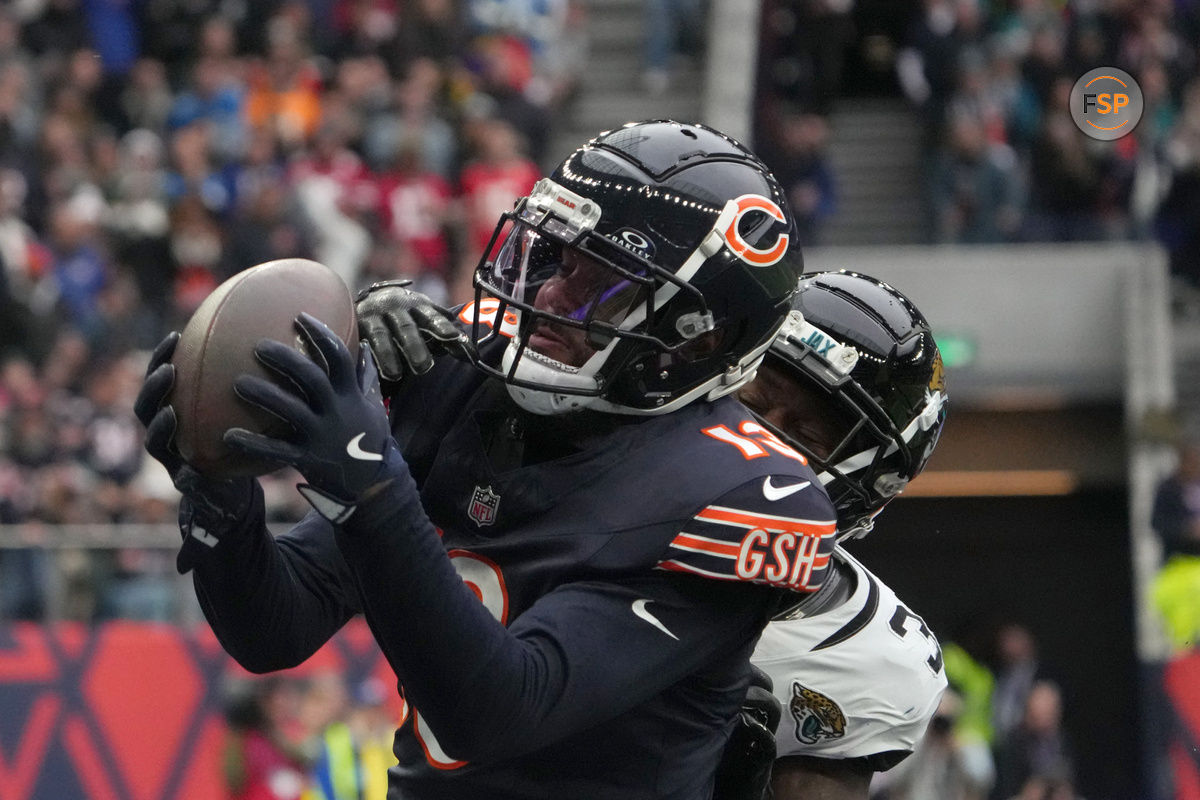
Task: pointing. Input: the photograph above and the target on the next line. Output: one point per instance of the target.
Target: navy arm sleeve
(582, 654)
(272, 602)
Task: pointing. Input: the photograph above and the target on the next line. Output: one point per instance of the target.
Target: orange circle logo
(747, 252)
(1106, 103)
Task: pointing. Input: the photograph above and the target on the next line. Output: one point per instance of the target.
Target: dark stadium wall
(1058, 565)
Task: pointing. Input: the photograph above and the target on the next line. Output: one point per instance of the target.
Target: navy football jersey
(631, 567)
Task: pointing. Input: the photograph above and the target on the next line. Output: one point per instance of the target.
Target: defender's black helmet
(866, 349)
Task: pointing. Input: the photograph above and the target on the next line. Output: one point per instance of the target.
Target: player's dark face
(574, 286)
(796, 409)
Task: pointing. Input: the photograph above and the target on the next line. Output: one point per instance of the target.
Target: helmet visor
(572, 292)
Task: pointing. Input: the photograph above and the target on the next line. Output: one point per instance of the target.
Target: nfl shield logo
(483, 506)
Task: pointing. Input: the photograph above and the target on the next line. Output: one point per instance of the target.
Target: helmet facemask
(578, 306)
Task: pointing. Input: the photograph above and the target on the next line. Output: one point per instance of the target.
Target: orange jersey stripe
(702, 544)
(745, 519)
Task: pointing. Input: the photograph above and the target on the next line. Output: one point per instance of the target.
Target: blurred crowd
(990, 79)
(150, 149)
(315, 738)
(800, 71)
(1174, 595)
(993, 83)
(998, 732)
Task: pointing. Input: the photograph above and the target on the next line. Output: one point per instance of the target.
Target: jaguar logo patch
(817, 717)
(937, 380)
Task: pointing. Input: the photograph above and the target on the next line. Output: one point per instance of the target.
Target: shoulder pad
(858, 681)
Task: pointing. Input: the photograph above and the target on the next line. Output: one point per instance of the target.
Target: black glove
(209, 509)
(341, 439)
(745, 769)
(406, 329)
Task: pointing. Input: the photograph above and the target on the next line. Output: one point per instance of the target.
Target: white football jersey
(861, 680)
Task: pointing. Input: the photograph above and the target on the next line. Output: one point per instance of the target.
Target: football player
(853, 381)
(568, 548)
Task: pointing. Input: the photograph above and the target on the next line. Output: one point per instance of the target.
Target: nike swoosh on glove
(341, 439)
(407, 330)
(209, 510)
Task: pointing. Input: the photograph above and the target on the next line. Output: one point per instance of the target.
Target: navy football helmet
(869, 395)
(651, 269)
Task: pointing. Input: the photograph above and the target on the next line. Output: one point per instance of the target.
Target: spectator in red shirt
(492, 182)
(414, 212)
(335, 192)
(262, 760)
(285, 91)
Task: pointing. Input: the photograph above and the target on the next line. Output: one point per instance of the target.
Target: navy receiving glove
(745, 769)
(341, 441)
(210, 510)
(406, 329)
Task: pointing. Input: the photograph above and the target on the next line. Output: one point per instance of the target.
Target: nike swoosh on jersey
(639, 610)
(772, 492)
(354, 449)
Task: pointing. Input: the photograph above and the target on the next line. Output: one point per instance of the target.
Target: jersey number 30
(900, 627)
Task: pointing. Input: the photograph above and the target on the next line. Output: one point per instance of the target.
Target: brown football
(217, 345)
